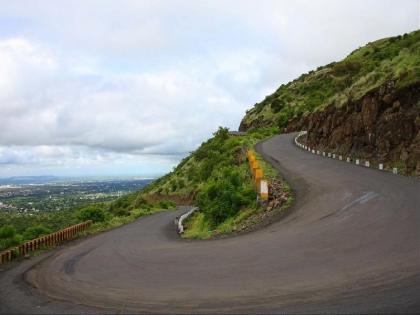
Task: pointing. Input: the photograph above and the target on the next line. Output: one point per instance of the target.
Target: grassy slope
(396, 58)
(217, 179)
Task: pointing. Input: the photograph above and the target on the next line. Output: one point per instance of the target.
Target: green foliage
(7, 231)
(123, 205)
(9, 237)
(223, 196)
(35, 231)
(10, 242)
(52, 220)
(93, 212)
(166, 204)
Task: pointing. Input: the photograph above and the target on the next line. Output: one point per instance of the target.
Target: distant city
(49, 193)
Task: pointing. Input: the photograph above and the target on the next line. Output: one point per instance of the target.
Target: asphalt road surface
(351, 244)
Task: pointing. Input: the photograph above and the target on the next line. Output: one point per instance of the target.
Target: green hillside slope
(396, 58)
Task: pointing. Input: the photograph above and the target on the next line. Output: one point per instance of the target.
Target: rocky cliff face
(382, 127)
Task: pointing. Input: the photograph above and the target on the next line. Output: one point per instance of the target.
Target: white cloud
(100, 85)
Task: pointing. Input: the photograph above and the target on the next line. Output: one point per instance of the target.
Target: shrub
(166, 204)
(346, 67)
(7, 231)
(9, 237)
(284, 116)
(94, 213)
(6, 243)
(119, 210)
(140, 202)
(223, 197)
(181, 184)
(35, 231)
(277, 105)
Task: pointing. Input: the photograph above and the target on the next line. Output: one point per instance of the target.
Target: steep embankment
(366, 105)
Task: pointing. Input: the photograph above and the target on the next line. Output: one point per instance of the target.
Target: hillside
(216, 178)
(366, 105)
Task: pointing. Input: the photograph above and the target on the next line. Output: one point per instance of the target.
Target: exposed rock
(383, 126)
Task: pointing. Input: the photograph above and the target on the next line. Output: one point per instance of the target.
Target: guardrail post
(395, 170)
(258, 178)
(263, 190)
(381, 166)
(357, 161)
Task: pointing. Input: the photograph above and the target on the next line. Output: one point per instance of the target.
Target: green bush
(35, 232)
(222, 197)
(119, 210)
(7, 231)
(174, 185)
(166, 204)
(93, 212)
(277, 105)
(6, 243)
(9, 237)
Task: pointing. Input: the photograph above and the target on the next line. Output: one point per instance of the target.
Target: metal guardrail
(261, 184)
(182, 218)
(357, 161)
(53, 239)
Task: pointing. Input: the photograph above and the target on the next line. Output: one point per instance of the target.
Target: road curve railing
(348, 159)
(53, 239)
(180, 221)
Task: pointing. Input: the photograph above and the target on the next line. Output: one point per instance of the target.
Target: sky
(128, 88)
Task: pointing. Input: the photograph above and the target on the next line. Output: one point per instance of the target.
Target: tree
(94, 213)
(35, 231)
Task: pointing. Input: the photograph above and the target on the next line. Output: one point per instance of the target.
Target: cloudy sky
(130, 87)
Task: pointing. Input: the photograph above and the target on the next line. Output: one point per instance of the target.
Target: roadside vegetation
(366, 68)
(18, 228)
(216, 178)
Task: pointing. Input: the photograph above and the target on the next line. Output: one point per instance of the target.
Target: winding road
(350, 244)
